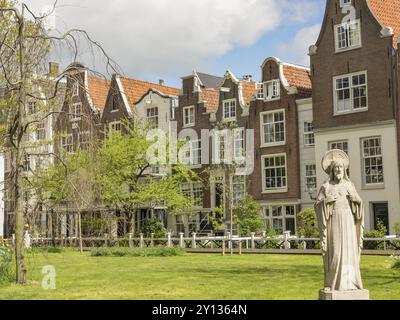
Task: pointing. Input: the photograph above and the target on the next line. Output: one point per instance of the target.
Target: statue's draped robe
(341, 227)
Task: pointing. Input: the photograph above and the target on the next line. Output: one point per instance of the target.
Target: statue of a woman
(341, 221)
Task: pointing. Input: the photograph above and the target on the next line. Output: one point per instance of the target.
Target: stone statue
(340, 214)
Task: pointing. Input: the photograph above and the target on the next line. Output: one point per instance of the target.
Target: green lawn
(193, 277)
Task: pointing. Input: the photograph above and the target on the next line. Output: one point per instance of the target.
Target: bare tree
(25, 47)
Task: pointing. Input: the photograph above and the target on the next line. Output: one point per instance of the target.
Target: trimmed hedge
(137, 252)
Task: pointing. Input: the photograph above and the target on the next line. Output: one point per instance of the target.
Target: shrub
(396, 262)
(6, 264)
(308, 224)
(396, 228)
(380, 232)
(153, 226)
(137, 252)
(247, 217)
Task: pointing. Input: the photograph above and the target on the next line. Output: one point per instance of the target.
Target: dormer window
(230, 110)
(272, 90)
(348, 35)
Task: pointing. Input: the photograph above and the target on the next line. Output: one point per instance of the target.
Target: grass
(192, 277)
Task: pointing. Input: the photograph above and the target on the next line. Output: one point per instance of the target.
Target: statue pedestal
(344, 295)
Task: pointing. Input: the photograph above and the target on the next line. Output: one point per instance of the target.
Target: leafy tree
(153, 226)
(247, 216)
(307, 224)
(396, 228)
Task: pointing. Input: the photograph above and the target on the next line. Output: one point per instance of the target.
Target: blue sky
(167, 39)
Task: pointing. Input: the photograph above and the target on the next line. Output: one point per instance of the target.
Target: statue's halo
(335, 156)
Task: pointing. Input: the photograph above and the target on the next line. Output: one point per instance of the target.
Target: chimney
(161, 82)
(247, 77)
(54, 69)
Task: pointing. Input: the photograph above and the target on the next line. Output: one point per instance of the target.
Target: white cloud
(297, 48)
(160, 37)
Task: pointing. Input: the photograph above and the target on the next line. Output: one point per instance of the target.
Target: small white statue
(340, 214)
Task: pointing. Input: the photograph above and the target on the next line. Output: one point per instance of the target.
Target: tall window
(230, 110)
(273, 127)
(309, 139)
(31, 109)
(340, 145)
(152, 116)
(311, 177)
(272, 90)
(27, 163)
(239, 143)
(41, 131)
(193, 190)
(76, 111)
(84, 139)
(351, 93)
(192, 152)
(75, 89)
(188, 116)
(274, 173)
(348, 35)
(373, 161)
(238, 189)
(281, 218)
(260, 91)
(67, 143)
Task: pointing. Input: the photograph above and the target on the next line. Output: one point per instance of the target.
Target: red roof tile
(210, 97)
(298, 77)
(249, 90)
(98, 91)
(388, 14)
(136, 89)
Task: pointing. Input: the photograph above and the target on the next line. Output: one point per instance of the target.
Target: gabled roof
(209, 81)
(298, 77)
(98, 90)
(388, 14)
(136, 89)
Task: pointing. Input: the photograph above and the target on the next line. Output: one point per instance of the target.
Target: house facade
(274, 117)
(355, 106)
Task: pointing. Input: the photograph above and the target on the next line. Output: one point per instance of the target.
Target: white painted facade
(389, 191)
(307, 152)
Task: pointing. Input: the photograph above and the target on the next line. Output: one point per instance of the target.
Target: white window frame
(265, 144)
(351, 88)
(86, 142)
(272, 90)
(239, 148)
(229, 110)
(260, 91)
(338, 142)
(41, 131)
(309, 177)
(154, 115)
(67, 143)
(364, 158)
(268, 215)
(266, 190)
(194, 190)
(238, 194)
(75, 88)
(112, 126)
(193, 153)
(347, 31)
(74, 113)
(189, 124)
(309, 135)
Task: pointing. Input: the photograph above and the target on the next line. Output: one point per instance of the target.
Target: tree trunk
(19, 161)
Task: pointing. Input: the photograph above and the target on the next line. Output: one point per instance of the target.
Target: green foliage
(6, 264)
(93, 226)
(153, 226)
(217, 218)
(247, 216)
(137, 252)
(308, 224)
(396, 262)
(380, 232)
(396, 228)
